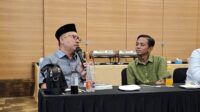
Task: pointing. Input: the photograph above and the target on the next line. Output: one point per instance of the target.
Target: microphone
(80, 54)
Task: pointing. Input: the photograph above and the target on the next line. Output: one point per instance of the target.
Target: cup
(169, 81)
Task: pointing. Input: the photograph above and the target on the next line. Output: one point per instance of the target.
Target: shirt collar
(61, 54)
(150, 59)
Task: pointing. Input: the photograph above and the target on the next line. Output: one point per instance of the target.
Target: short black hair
(151, 41)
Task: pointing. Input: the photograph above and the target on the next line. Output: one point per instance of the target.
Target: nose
(77, 41)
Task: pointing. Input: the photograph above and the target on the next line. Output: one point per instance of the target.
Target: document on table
(103, 86)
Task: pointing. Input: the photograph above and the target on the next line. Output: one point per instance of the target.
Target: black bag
(55, 80)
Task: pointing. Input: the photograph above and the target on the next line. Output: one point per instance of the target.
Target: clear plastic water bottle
(74, 81)
(90, 84)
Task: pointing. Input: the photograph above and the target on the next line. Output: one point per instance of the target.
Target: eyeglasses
(75, 37)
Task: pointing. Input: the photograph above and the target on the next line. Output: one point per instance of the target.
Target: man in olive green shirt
(146, 68)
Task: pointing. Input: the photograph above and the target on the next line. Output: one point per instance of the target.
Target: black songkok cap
(64, 29)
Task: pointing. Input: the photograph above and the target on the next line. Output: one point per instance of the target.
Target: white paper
(103, 86)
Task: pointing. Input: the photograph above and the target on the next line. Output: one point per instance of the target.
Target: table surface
(147, 99)
(145, 89)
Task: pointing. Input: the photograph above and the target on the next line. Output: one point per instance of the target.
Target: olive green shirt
(149, 73)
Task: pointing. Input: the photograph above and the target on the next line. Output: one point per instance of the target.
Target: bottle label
(90, 86)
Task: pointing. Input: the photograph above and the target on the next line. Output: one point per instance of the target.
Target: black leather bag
(54, 78)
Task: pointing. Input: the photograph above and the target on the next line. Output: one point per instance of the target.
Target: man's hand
(43, 86)
(160, 82)
(83, 72)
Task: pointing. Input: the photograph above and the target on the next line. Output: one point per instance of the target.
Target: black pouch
(54, 78)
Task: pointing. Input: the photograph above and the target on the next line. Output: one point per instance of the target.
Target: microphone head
(78, 49)
(80, 54)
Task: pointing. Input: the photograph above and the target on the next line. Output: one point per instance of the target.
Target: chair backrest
(179, 75)
(123, 77)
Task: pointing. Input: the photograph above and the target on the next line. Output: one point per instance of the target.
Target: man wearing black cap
(65, 56)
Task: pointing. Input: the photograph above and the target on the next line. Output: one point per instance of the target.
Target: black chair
(179, 75)
(123, 77)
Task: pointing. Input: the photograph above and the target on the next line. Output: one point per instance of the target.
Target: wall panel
(21, 36)
(198, 28)
(106, 24)
(145, 17)
(180, 28)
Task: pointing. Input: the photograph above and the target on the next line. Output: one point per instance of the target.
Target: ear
(150, 49)
(61, 40)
